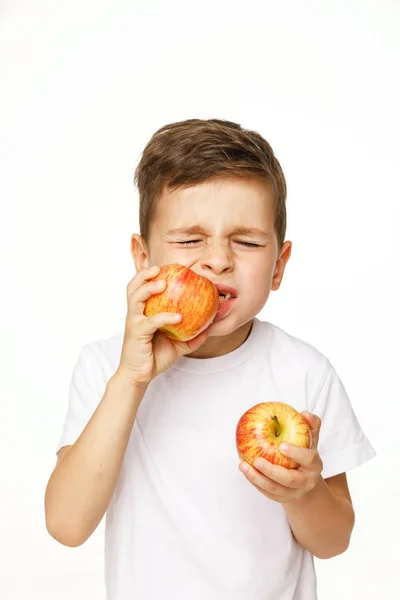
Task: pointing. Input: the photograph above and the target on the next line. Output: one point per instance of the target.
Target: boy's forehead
(219, 187)
(240, 204)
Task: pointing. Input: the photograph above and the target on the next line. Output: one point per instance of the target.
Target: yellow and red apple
(262, 428)
(193, 296)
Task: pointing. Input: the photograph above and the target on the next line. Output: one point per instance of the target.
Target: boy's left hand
(281, 484)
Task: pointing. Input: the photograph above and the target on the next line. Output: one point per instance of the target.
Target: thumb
(314, 423)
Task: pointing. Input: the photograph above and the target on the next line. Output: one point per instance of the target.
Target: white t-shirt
(184, 522)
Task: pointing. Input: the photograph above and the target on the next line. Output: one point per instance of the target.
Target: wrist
(299, 503)
(122, 377)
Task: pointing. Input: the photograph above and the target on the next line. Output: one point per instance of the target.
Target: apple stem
(278, 427)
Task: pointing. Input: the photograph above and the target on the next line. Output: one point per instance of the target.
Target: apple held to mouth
(262, 428)
(193, 296)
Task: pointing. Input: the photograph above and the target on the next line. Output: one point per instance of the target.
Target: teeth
(227, 296)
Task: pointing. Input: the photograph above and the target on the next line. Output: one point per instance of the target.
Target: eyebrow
(195, 229)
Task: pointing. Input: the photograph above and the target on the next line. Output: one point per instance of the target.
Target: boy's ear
(140, 252)
(284, 255)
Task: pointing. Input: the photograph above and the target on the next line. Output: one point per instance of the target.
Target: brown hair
(193, 151)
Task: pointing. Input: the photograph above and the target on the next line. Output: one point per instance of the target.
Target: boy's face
(218, 250)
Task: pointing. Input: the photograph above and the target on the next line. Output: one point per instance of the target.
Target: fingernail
(283, 447)
(244, 467)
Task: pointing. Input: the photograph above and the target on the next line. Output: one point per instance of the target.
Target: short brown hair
(190, 152)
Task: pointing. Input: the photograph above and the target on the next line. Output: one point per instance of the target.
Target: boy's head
(202, 184)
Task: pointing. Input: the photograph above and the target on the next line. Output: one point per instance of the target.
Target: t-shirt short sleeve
(342, 443)
(87, 387)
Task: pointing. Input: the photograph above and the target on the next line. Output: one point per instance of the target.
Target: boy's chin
(226, 326)
(222, 327)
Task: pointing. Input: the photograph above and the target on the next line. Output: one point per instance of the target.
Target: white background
(84, 86)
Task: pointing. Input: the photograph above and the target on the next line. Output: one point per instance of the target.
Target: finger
(306, 457)
(315, 429)
(261, 481)
(275, 497)
(286, 477)
(137, 300)
(142, 276)
(151, 324)
(148, 288)
(314, 423)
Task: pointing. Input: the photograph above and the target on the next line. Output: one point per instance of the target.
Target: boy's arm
(62, 452)
(80, 488)
(322, 520)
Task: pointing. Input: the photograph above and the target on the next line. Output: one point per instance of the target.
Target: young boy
(149, 436)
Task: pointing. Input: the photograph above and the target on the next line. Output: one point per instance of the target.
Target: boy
(149, 436)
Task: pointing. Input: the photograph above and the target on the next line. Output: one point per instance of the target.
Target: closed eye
(248, 244)
(189, 242)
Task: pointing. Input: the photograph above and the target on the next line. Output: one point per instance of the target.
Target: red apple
(193, 296)
(263, 427)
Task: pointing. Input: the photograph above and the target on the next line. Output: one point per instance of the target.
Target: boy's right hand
(147, 352)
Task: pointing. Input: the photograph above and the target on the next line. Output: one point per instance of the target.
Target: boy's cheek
(185, 257)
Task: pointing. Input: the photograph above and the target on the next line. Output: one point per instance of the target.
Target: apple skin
(195, 297)
(257, 429)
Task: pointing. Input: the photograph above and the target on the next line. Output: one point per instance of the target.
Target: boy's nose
(217, 259)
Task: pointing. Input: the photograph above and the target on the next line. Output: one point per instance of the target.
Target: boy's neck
(218, 346)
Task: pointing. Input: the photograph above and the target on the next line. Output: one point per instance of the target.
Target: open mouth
(226, 301)
(224, 297)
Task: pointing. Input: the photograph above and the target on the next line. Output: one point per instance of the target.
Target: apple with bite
(262, 428)
(193, 296)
